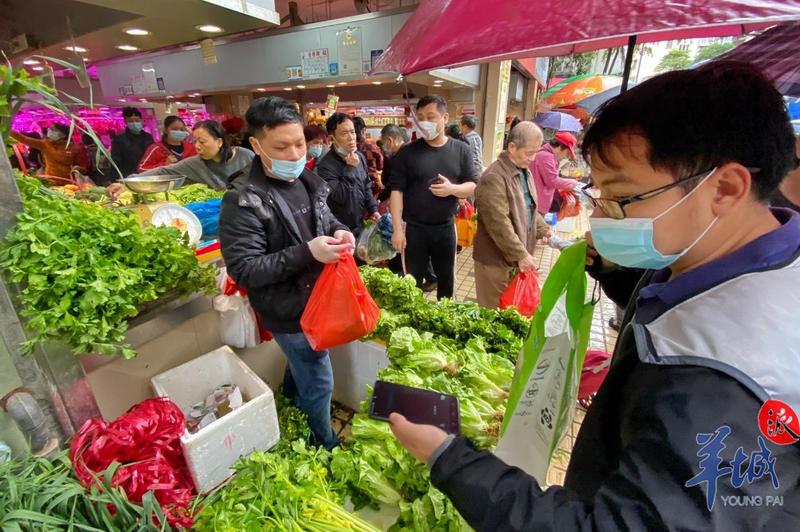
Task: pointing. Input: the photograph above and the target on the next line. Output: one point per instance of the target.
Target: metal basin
(150, 184)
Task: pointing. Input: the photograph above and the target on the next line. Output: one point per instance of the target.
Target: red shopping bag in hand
(339, 309)
(523, 293)
(570, 205)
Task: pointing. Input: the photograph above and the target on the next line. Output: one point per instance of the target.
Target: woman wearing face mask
(58, 157)
(174, 146)
(316, 142)
(215, 164)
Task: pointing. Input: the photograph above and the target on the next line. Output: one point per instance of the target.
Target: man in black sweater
(427, 179)
(695, 426)
(277, 232)
(128, 147)
(344, 169)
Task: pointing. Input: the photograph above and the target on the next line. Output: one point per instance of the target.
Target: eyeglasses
(615, 208)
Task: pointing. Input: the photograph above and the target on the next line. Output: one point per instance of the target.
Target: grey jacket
(212, 174)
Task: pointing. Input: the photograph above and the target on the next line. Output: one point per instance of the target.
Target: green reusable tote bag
(545, 385)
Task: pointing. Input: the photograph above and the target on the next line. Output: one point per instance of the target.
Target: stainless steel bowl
(150, 184)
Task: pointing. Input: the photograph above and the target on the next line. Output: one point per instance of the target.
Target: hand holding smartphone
(416, 405)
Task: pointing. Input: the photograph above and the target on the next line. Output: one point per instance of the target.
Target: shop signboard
(315, 63)
(351, 56)
(333, 69)
(332, 104)
(294, 72)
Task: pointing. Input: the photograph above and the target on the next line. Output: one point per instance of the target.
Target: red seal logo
(778, 422)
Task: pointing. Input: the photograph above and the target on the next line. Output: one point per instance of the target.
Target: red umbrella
(777, 53)
(445, 33)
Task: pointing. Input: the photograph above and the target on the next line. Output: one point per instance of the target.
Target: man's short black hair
(394, 132)
(469, 121)
(128, 112)
(694, 120)
(335, 119)
(441, 103)
(270, 112)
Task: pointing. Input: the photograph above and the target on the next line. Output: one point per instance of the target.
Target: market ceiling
(444, 33)
(110, 28)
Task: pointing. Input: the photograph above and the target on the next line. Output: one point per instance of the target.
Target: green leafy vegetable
(194, 193)
(85, 270)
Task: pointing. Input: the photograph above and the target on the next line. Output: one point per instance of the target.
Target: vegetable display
(42, 494)
(85, 270)
(194, 193)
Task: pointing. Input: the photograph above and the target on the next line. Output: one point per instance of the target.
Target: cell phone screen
(417, 405)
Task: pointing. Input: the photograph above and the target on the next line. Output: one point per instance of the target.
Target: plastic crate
(211, 451)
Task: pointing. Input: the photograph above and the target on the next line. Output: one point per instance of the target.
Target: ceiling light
(376, 82)
(143, 100)
(287, 88)
(342, 83)
(209, 28)
(86, 59)
(76, 49)
(123, 100)
(261, 89)
(30, 62)
(301, 86)
(127, 48)
(330, 86)
(137, 31)
(38, 68)
(194, 95)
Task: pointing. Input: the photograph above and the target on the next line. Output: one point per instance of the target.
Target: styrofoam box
(211, 451)
(355, 365)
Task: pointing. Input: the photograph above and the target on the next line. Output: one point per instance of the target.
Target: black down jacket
(263, 250)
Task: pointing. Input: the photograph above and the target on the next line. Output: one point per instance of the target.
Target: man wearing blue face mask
(344, 168)
(128, 148)
(276, 233)
(695, 426)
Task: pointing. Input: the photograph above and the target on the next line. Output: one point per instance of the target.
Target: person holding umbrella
(545, 169)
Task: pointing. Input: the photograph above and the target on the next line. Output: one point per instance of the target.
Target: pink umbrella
(446, 33)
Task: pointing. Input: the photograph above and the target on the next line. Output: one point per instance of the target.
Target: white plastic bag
(237, 321)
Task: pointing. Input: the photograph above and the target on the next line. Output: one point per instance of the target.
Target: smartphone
(417, 405)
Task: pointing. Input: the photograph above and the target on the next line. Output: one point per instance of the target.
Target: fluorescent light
(330, 86)
(301, 86)
(209, 28)
(136, 31)
(76, 49)
(86, 59)
(30, 62)
(123, 100)
(194, 95)
(127, 47)
(376, 82)
(261, 89)
(38, 68)
(342, 83)
(143, 100)
(287, 88)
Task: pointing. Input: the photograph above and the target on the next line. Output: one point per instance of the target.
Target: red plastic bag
(595, 369)
(523, 293)
(339, 310)
(570, 205)
(145, 440)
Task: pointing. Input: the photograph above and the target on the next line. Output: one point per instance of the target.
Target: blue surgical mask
(629, 242)
(135, 127)
(341, 151)
(315, 151)
(54, 135)
(178, 135)
(288, 170)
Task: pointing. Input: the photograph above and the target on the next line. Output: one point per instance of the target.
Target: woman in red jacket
(173, 147)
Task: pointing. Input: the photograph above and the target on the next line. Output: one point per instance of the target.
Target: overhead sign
(351, 56)
(374, 55)
(315, 63)
(332, 104)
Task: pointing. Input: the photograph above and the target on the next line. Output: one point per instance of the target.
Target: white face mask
(428, 130)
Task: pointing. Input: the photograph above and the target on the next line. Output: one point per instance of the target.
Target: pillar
(494, 109)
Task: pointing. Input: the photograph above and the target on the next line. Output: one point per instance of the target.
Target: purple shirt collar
(766, 252)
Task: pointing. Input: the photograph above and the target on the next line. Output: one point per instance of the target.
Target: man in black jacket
(128, 147)
(695, 427)
(276, 233)
(344, 168)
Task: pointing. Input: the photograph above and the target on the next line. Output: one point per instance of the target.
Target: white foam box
(356, 365)
(211, 451)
